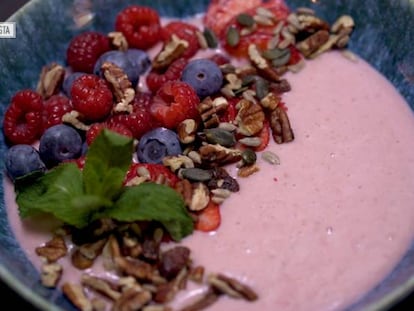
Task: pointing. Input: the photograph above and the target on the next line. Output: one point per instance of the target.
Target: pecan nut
(170, 52)
(214, 155)
(76, 294)
(280, 125)
(53, 250)
(250, 118)
(50, 81)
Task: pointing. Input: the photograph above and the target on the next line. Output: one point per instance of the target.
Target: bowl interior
(44, 28)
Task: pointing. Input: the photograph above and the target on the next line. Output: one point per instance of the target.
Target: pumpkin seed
(240, 90)
(196, 174)
(220, 136)
(232, 36)
(262, 88)
(265, 12)
(247, 80)
(270, 157)
(251, 141)
(245, 20)
(248, 157)
(275, 53)
(282, 59)
(210, 37)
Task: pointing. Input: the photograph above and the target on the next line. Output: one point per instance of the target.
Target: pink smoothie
(330, 222)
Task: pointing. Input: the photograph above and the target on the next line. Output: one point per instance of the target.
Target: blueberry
(204, 76)
(58, 143)
(21, 160)
(133, 62)
(156, 144)
(67, 83)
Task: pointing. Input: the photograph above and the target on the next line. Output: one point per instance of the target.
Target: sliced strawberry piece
(157, 172)
(208, 219)
(264, 136)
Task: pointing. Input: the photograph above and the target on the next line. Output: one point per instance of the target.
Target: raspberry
(142, 100)
(140, 26)
(92, 97)
(85, 49)
(23, 118)
(220, 59)
(155, 80)
(54, 109)
(138, 122)
(174, 102)
(96, 128)
(185, 32)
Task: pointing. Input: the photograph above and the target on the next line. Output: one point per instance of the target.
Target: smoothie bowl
(286, 183)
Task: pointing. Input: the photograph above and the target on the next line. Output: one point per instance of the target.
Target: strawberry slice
(208, 219)
(264, 136)
(157, 173)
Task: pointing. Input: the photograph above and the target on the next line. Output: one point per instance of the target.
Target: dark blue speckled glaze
(384, 37)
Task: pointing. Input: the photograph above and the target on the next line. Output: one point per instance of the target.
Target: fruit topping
(184, 31)
(92, 97)
(157, 144)
(140, 26)
(204, 76)
(209, 218)
(21, 160)
(174, 102)
(23, 118)
(58, 143)
(156, 79)
(68, 82)
(96, 128)
(54, 109)
(84, 50)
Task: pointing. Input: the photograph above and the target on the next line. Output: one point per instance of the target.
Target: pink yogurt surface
(331, 221)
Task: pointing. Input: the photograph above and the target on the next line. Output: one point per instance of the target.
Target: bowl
(383, 37)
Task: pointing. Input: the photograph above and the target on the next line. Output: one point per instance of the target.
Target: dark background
(7, 8)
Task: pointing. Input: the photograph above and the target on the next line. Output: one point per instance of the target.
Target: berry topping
(68, 82)
(184, 31)
(58, 143)
(153, 172)
(85, 49)
(208, 219)
(92, 97)
(140, 26)
(155, 79)
(157, 144)
(174, 102)
(96, 128)
(133, 62)
(138, 122)
(21, 160)
(54, 109)
(204, 76)
(23, 118)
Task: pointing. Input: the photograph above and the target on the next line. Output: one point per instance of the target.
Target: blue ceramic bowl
(384, 37)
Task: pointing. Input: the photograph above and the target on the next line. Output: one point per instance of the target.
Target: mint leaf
(59, 192)
(107, 161)
(150, 201)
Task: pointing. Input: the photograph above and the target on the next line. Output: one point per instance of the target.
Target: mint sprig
(78, 197)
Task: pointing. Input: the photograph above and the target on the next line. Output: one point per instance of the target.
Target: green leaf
(150, 201)
(107, 162)
(59, 192)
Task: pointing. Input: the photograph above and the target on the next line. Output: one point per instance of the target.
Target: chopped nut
(121, 86)
(232, 287)
(250, 118)
(165, 292)
(195, 156)
(101, 286)
(134, 267)
(186, 131)
(110, 251)
(222, 179)
(216, 155)
(257, 59)
(76, 295)
(84, 256)
(53, 249)
(247, 170)
(280, 125)
(177, 162)
(50, 81)
(73, 119)
(313, 42)
(51, 274)
(173, 261)
(209, 110)
(311, 23)
(270, 101)
(200, 197)
(235, 82)
(206, 300)
(185, 188)
(132, 300)
(171, 51)
(196, 274)
(118, 40)
(345, 22)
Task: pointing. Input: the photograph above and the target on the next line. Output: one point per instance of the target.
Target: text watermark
(7, 30)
